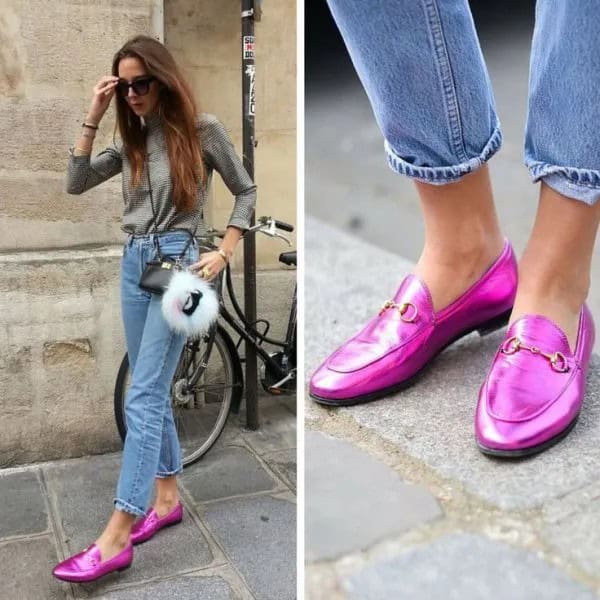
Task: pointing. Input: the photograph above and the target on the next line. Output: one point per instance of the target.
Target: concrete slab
(433, 420)
(182, 588)
(225, 472)
(277, 431)
(284, 463)
(571, 527)
(26, 571)
(23, 508)
(245, 524)
(82, 491)
(464, 567)
(354, 501)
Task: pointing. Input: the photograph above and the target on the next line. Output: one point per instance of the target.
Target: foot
(146, 527)
(546, 290)
(535, 388)
(163, 507)
(448, 273)
(407, 333)
(89, 565)
(110, 545)
(555, 309)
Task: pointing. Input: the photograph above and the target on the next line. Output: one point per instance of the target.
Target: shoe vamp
(520, 388)
(376, 341)
(82, 562)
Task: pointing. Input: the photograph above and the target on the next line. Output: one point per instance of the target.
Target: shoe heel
(494, 324)
(124, 568)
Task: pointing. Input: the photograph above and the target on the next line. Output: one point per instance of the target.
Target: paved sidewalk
(237, 540)
(400, 504)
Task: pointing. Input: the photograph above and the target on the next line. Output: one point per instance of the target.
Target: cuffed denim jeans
(151, 445)
(423, 70)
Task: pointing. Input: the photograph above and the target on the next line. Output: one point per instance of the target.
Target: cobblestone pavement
(400, 503)
(237, 540)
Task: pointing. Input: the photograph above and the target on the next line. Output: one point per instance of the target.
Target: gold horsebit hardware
(557, 359)
(401, 308)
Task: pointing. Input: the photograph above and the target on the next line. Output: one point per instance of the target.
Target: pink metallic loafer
(147, 526)
(535, 387)
(388, 353)
(87, 566)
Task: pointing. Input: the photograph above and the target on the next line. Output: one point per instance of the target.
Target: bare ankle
(115, 539)
(169, 501)
(566, 289)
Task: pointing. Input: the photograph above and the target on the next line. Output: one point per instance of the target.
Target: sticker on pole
(248, 47)
(251, 71)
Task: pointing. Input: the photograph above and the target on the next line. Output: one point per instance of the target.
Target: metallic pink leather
(87, 566)
(531, 397)
(147, 526)
(393, 348)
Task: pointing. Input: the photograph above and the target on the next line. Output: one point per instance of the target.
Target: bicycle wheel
(200, 411)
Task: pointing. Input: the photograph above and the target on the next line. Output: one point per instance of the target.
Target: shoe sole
(163, 527)
(483, 330)
(531, 450)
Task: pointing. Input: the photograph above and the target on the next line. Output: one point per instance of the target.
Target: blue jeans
(151, 446)
(422, 68)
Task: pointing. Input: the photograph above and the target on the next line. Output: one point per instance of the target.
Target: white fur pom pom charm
(190, 304)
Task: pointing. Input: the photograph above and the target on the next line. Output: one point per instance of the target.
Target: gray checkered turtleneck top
(85, 172)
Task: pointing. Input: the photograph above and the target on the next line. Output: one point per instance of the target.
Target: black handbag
(157, 273)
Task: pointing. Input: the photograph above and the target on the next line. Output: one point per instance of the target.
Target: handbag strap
(155, 219)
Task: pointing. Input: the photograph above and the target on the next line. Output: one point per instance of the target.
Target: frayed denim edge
(578, 184)
(128, 508)
(165, 474)
(443, 175)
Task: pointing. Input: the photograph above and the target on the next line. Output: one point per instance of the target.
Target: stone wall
(61, 338)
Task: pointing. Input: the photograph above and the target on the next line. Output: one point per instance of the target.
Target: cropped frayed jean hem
(128, 508)
(579, 184)
(165, 474)
(445, 174)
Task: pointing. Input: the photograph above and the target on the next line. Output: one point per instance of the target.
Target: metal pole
(248, 112)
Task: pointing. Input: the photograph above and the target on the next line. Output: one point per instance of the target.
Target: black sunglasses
(140, 86)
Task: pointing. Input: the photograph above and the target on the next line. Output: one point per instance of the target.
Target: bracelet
(86, 152)
(90, 125)
(224, 254)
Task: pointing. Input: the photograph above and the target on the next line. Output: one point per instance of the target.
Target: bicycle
(208, 383)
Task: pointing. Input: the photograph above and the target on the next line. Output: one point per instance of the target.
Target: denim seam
(444, 68)
(168, 445)
(145, 294)
(134, 484)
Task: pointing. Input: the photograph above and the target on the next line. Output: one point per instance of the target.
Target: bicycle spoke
(213, 386)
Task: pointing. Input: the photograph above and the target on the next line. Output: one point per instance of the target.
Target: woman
(423, 70)
(157, 120)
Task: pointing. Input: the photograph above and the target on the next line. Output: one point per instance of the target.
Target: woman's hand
(209, 265)
(103, 92)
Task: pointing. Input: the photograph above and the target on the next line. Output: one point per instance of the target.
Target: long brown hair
(179, 113)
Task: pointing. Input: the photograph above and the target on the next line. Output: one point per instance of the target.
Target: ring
(205, 272)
